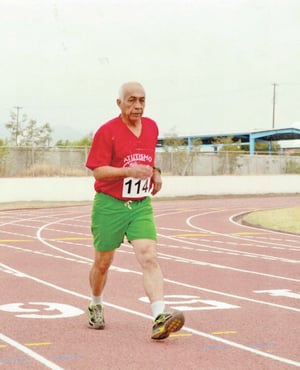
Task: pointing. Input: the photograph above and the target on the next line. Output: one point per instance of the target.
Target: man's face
(133, 103)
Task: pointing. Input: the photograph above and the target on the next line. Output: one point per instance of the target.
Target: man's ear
(119, 103)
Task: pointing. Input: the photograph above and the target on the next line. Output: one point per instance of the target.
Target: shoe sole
(173, 324)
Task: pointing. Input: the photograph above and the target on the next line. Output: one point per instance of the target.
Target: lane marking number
(280, 293)
(192, 303)
(41, 310)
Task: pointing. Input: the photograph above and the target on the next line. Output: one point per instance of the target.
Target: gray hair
(124, 88)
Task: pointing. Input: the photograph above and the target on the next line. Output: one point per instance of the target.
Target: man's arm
(109, 173)
(157, 180)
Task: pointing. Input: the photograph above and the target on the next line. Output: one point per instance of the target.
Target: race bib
(135, 188)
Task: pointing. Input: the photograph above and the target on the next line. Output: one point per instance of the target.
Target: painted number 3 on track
(41, 310)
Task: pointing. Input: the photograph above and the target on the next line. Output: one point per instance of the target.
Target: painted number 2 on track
(193, 303)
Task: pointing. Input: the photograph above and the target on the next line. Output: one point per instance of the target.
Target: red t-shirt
(115, 145)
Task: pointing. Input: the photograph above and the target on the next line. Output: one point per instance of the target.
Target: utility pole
(17, 123)
(274, 101)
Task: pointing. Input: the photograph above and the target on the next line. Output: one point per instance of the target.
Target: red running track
(238, 287)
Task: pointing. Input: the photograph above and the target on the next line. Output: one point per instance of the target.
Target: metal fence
(185, 163)
(70, 161)
(43, 161)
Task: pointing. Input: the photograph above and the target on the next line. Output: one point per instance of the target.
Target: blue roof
(243, 137)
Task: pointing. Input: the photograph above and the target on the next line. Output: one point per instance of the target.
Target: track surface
(238, 287)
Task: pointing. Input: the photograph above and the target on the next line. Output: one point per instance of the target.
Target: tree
(272, 146)
(172, 141)
(263, 147)
(196, 145)
(34, 135)
(15, 126)
(3, 153)
(28, 133)
(227, 144)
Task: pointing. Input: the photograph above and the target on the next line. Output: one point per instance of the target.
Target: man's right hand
(140, 171)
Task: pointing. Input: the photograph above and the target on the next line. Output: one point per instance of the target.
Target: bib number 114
(135, 188)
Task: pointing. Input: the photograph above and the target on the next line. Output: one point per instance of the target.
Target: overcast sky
(208, 66)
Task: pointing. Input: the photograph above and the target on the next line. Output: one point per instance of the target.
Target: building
(243, 138)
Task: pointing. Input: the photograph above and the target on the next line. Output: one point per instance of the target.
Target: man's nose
(138, 104)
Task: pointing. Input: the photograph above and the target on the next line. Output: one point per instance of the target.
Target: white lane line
(79, 259)
(224, 267)
(281, 233)
(137, 313)
(233, 296)
(227, 250)
(230, 236)
(51, 365)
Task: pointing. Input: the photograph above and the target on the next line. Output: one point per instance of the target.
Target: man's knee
(146, 254)
(103, 260)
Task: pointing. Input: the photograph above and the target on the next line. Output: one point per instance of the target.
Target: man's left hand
(157, 182)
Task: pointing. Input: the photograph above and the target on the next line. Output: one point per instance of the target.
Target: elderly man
(122, 160)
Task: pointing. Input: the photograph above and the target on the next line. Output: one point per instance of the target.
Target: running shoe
(167, 323)
(96, 316)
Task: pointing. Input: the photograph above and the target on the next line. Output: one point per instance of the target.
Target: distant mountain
(59, 133)
(66, 133)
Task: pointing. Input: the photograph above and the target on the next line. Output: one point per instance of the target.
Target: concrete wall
(81, 188)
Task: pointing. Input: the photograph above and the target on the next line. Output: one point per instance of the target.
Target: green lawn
(285, 219)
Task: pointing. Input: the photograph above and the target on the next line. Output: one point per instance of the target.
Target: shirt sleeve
(101, 150)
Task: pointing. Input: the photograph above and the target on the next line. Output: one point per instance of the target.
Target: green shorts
(112, 219)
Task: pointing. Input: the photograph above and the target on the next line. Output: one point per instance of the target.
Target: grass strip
(283, 219)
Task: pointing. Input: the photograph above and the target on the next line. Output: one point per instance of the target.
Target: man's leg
(99, 270)
(98, 277)
(145, 251)
(164, 322)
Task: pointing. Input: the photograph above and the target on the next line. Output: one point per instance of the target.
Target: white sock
(157, 307)
(97, 299)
